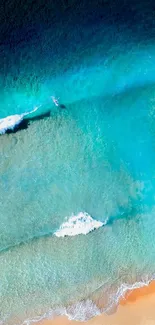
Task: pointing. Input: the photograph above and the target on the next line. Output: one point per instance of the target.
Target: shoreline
(137, 307)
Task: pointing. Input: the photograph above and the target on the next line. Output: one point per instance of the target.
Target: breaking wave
(82, 223)
(9, 122)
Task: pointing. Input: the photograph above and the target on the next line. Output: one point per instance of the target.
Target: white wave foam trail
(9, 122)
(81, 311)
(82, 223)
(123, 289)
(87, 309)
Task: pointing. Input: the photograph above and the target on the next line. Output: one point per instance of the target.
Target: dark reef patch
(62, 106)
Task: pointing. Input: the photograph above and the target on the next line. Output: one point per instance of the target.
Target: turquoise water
(96, 156)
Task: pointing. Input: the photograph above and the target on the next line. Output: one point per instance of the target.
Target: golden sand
(137, 309)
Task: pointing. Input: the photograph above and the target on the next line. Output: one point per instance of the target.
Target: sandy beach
(136, 309)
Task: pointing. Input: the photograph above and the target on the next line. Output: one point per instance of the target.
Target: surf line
(9, 122)
(12, 121)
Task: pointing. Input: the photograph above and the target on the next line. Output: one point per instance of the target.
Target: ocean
(77, 179)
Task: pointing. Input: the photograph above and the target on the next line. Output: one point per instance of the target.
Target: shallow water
(96, 156)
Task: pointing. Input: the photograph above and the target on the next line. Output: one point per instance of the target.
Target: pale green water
(76, 160)
(97, 156)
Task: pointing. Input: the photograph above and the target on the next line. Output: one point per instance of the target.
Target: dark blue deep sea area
(77, 166)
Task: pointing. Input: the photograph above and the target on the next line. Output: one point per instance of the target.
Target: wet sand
(138, 308)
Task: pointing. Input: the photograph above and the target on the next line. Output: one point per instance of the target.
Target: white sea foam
(84, 310)
(9, 122)
(81, 311)
(82, 223)
(123, 289)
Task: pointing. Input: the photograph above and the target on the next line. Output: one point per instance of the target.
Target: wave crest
(9, 122)
(82, 223)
